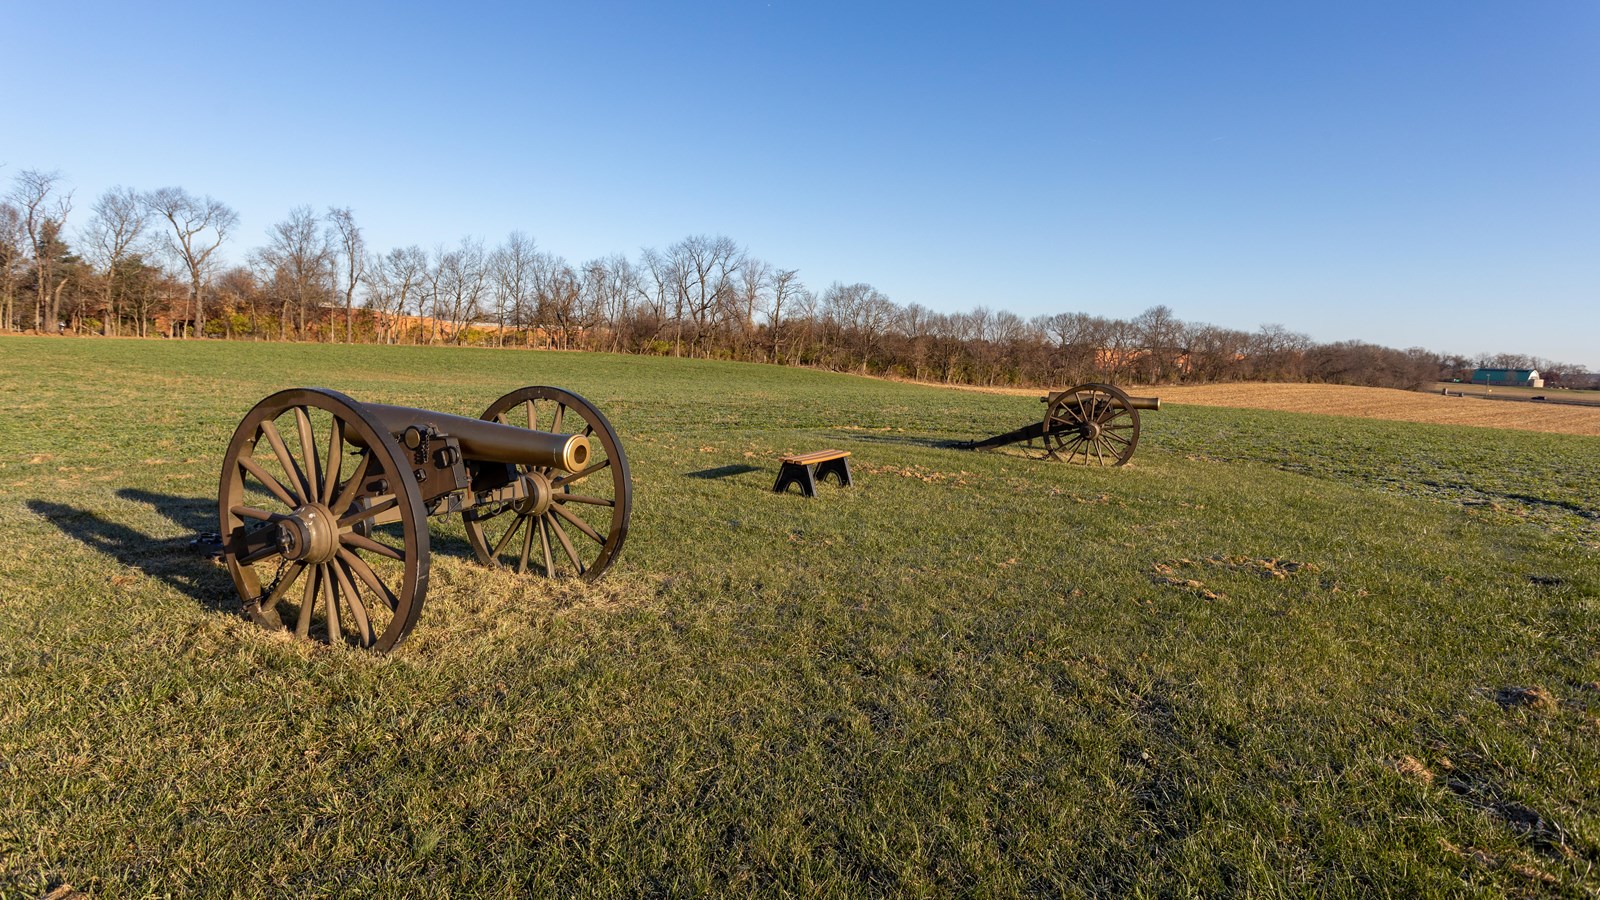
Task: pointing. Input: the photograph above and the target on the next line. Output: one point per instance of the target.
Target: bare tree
(13, 252)
(44, 214)
(608, 285)
(460, 280)
(299, 261)
(703, 277)
(653, 287)
(557, 296)
(1161, 336)
(112, 236)
(786, 287)
(754, 290)
(199, 226)
(860, 314)
(512, 267)
(352, 257)
(145, 287)
(1278, 354)
(397, 278)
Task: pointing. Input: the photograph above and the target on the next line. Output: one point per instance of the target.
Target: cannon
(1099, 421)
(324, 502)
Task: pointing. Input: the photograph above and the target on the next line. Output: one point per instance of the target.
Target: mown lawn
(1278, 654)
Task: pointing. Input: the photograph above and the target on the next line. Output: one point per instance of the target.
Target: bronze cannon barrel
(490, 441)
(1150, 403)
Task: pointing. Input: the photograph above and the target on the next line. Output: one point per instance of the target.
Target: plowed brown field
(1382, 403)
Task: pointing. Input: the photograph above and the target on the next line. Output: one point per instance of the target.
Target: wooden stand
(806, 469)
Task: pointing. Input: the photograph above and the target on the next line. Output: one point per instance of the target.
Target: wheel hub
(539, 495)
(309, 534)
(1090, 430)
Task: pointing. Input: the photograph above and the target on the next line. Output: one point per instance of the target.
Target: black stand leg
(796, 474)
(838, 468)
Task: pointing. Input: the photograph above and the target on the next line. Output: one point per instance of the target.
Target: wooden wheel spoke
(555, 424)
(584, 527)
(290, 467)
(308, 451)
(347, 496)
(375, 509)
(544, 543)
(566, 542)
(370, 578)
(308, 599)
(362, 542)
(506, 538)
(580, 498)
(273, 485)
(358, 610)
(330, 481)
(533, 415)
(284, 583)
(527, 548)
(330, 601)
(581, 474)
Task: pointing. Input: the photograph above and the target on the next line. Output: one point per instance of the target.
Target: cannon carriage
(323, 502)
(1096, 424)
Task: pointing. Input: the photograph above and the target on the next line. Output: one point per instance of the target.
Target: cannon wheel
(1096, 422)
(573, 523)
(306, 480)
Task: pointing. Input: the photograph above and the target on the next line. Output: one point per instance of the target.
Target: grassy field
(1278, 654)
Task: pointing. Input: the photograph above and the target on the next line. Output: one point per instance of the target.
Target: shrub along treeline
(149, 263)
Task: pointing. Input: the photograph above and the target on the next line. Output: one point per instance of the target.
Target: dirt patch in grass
(1531, 697)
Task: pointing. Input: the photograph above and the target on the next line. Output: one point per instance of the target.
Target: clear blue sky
(1412, 173)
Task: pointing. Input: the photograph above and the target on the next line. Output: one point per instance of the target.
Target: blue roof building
(1507, 377)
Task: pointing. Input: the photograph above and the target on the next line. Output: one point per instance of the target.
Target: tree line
(149, 262)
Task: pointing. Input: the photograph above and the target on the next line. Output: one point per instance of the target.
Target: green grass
(1278, 654)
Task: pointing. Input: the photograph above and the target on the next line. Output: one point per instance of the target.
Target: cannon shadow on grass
(176, 561)
(904, 440)
(722, 472)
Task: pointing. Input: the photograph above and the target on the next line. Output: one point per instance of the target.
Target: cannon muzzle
(490, 441)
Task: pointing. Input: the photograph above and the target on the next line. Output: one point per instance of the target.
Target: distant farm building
(1507, 377)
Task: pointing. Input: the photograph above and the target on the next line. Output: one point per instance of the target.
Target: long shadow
(193, 513)
(935, 443)
(721, 472)
(175, 561)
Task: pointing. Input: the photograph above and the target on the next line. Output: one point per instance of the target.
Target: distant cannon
(1098, 421)
(338, 524)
